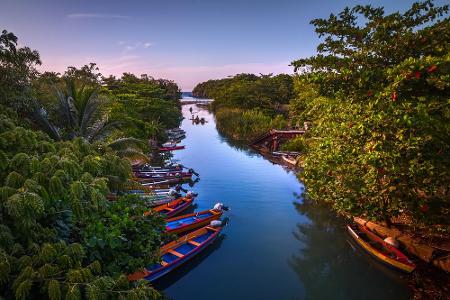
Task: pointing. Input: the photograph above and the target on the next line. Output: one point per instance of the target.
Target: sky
(188, 41)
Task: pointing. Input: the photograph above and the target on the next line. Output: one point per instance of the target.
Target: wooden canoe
(158, 182)
(289, 159)
(150, 199)
(146, 188)
(175, 253)
(378, 248)
(192, 221)
(172, 208)
(163, 175)
(281, 153)
(171, 148)
(168, 168)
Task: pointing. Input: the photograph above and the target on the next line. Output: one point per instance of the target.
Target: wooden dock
(273, 138)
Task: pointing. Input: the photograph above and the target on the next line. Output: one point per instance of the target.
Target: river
(275, 246)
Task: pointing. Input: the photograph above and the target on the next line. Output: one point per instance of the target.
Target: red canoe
(173, 208)
(171, 148)
(378, 248)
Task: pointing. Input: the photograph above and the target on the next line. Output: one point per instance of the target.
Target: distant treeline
(246, 105)
(248, 91)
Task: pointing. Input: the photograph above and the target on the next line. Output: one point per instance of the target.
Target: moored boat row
(198, 230)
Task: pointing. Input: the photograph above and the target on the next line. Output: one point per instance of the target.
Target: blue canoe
(176, 253)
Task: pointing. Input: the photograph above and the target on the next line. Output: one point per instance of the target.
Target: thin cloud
(129, 47)
(96, 16)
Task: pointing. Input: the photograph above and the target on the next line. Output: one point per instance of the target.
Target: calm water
(275, 246)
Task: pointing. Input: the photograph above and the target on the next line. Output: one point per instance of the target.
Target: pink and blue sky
(188, 41)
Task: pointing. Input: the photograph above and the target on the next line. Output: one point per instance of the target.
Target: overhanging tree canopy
(378, 94)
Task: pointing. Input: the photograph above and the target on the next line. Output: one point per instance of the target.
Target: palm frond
(126, 143)
(65, 108)
(90, 111)
(40, 118)
(133, 155)
(101, 129)
(87, 104)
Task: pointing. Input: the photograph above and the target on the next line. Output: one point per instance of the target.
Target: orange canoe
(172, 208)
(191, 221)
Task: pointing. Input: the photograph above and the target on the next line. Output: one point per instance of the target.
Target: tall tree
(17, 70)
(377, 93)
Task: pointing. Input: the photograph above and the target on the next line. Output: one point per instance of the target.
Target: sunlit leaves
(246, 124)
(378, 98)
(25, 207)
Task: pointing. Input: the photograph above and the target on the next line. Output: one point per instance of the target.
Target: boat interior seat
(175, 253)
(194, 243)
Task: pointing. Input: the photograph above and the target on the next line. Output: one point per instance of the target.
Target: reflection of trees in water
(210, 118)
(239, 145)
(329, 267)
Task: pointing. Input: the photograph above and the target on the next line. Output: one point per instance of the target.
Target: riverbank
(274, 236)
(427, 281)
(430, 280)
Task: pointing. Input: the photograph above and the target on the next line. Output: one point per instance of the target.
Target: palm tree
(130, 148)
(81, 113)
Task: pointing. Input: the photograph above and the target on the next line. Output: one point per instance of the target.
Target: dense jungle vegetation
(377, 93)
(247, 105)
(66, 142)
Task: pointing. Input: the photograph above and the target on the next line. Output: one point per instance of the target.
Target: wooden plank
(194, 243)
(175, 253)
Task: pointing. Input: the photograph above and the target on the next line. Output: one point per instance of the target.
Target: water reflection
(239, 145)
(330, 267)
(273, 249)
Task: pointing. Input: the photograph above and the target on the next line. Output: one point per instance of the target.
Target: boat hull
(172, 208)
(382, 257)
(192, 221)
(290, 160)
(161, 269)
(163, 176)
(171, 148)
(154, 181)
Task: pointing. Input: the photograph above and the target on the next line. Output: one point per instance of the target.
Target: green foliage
(59, 235)
(17, 70)
(248, 91)
(54, 290)
(377, 94)
(80, 112)
(146, 105)
(246, 124)
(119, 228)
(53, 206)
(295, 144)
(247, 105)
